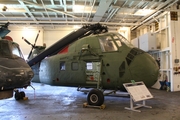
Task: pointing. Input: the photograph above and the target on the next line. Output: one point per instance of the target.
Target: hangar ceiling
(114, 13)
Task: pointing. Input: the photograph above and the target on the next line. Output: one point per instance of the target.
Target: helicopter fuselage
(101, 61)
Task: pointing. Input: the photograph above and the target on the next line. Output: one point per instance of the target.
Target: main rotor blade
(33, 45)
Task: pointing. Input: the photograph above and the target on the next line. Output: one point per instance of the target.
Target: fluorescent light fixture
(76, 27)
(123, 28)
(143, 12)
(82, 9)
(78, 8)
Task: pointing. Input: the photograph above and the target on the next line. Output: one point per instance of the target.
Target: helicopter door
(93, 72)
(74, 74)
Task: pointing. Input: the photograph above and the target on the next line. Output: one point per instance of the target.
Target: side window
(62, 65)
(74, 66)
(89, 66)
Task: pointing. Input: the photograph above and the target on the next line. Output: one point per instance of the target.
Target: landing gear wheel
(17, 95)
(95, 97)
(22, 94)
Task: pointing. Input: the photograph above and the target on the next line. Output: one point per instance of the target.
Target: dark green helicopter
(14, 70)
(93, 58)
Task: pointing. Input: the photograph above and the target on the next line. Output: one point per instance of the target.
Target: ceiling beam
(102, 8)
(70, 22)
(65, 13)
(28, 11)
(52, 2)
(61, 3)
(65, 8)
(42, 15)
(35, 1)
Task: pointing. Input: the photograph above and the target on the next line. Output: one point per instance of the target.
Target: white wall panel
(52, 36)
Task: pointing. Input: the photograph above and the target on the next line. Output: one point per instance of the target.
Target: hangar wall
(166, 30)
(53, 35)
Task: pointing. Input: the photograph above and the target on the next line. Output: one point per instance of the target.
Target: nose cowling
(15, 77)
(23, 77)
(144, 68)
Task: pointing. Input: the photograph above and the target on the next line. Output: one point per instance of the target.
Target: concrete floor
(64, 103)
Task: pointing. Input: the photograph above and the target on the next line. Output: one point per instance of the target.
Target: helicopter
(92, 57)
(14, 71)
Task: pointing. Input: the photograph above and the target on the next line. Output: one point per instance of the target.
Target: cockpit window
(16, 51)
(9, 50)
(124, 40)
(116, 38)
(107, 44)
(5, 50)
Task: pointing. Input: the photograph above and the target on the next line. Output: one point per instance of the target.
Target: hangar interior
(151, 25)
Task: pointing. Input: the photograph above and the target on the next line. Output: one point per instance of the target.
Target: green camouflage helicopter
(14, 71)
(93, 58)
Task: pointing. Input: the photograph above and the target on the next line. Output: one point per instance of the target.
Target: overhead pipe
(124, 3)
(70, 22)
(91, 9)
(109, 15)
(113, 14)
(84, 9)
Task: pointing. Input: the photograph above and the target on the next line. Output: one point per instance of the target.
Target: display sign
(138, 91)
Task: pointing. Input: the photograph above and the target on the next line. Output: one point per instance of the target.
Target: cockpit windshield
(5, 50)
(123, 39)
(111, 42)
(116, 38)
(107, 44)
(16, 51)
(9, 50)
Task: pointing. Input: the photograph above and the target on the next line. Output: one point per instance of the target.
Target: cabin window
(89, 66)
(74, 66)
(62, 65)
(107, 44)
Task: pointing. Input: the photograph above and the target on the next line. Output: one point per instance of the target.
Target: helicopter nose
(25, 76)
(19, 78)
(144, 68)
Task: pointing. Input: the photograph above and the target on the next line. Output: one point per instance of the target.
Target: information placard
(138, 91)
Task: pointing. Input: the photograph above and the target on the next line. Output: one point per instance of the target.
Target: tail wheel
(95, 97)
